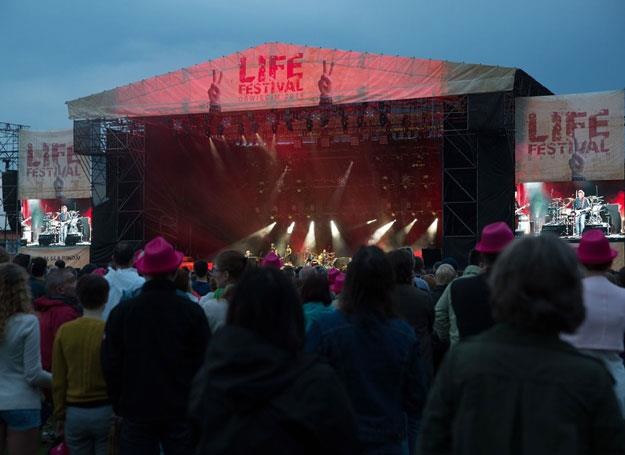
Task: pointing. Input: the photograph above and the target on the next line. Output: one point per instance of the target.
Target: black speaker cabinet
(46, 239)
(431, 256)
(71, 239)
(556, 229)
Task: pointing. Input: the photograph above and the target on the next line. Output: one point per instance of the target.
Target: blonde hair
(14, 293)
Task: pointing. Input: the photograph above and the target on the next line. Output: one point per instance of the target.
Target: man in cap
(153, 346)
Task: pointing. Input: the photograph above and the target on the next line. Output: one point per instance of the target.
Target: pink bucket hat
(594, 248)
(271, 260)
(339, 282)
(332, 274)
(158, 257)
(495, 238)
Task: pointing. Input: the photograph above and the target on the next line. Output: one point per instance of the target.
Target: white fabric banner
(570, 137)
(74, 256)
(49, 168)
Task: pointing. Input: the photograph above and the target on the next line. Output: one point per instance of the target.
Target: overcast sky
(55, 51)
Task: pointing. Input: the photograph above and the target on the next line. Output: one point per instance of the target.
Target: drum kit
(60, 230)
(561, 213)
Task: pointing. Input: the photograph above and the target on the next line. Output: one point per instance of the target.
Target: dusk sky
(52, 52)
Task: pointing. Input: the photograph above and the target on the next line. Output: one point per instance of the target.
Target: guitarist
(64, 217)
(581, 205)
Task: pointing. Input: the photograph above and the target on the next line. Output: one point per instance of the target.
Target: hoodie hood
(245, 371)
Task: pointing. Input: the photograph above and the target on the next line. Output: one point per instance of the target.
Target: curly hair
(14, 293)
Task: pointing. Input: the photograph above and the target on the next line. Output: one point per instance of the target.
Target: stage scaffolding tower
(116, 151)
(9, 206)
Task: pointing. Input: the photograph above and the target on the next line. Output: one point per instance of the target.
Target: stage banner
(74, 256)
(280, 75)
(570, 137)
(49, 168)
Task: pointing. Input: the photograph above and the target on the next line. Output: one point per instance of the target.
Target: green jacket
(506, 391)
(445, 319)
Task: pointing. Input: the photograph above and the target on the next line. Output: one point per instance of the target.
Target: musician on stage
(581, 205)
(63, 216)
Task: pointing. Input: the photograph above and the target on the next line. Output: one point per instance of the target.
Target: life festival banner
(570, 137)
(74, 256)
(49, 168)
(280, 75)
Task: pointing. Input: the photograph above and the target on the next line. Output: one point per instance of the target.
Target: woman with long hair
(21, 373)
(375, 354)
(257, 391)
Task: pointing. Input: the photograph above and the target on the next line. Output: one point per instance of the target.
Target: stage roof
(279, 75)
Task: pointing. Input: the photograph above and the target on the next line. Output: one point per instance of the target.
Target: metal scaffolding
(9, 156)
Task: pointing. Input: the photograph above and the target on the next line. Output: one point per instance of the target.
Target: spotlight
(334, 229)
(289, 230)
(409, 226)
(309, 240)
(372, 221)
(379, 232)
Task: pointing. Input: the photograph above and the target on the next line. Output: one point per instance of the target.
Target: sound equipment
(71, 239)
(601, 227)
(431, 256)
(556, 229)
(614, 217)
(9, 198)
(46, 239)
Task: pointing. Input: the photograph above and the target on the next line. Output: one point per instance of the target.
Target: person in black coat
(257, 392)
(414, 305)
(153, 346)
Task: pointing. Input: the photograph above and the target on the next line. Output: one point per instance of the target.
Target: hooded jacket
(53, 312)
(253, 397)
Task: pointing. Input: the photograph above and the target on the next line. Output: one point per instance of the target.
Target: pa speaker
(46, 239)
(614, 218)
(72, 239)
(557, 229)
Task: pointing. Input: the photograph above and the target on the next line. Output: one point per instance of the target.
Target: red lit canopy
(279, 75)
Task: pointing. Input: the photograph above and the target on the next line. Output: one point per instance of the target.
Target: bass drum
(84, 228)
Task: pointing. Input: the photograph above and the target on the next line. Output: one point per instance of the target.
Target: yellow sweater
(76, 370)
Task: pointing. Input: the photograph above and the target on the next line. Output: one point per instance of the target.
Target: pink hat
(332, 274)
(339, 282)
(272, 260)
(594, 248)
(100, 271)
(495, 238)
(158, 257)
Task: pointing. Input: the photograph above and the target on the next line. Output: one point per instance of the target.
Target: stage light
(289, 230)
(409, 226)
(379, 232)
(310, 240)
(334, 229)
(372, 221)
(432, 230)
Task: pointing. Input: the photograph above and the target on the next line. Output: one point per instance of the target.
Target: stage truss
(9, 157)
(116, 150)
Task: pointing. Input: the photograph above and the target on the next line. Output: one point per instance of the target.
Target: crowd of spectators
(518, 352)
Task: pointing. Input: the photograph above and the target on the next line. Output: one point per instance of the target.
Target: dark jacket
(153, 346)
(252, 397)
(417, 308)
(470, 299)
(511, 392)
(37, 287)
(53, 312)
(378, 362)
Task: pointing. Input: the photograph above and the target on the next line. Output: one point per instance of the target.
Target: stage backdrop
(570, 137)
(49, 169)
